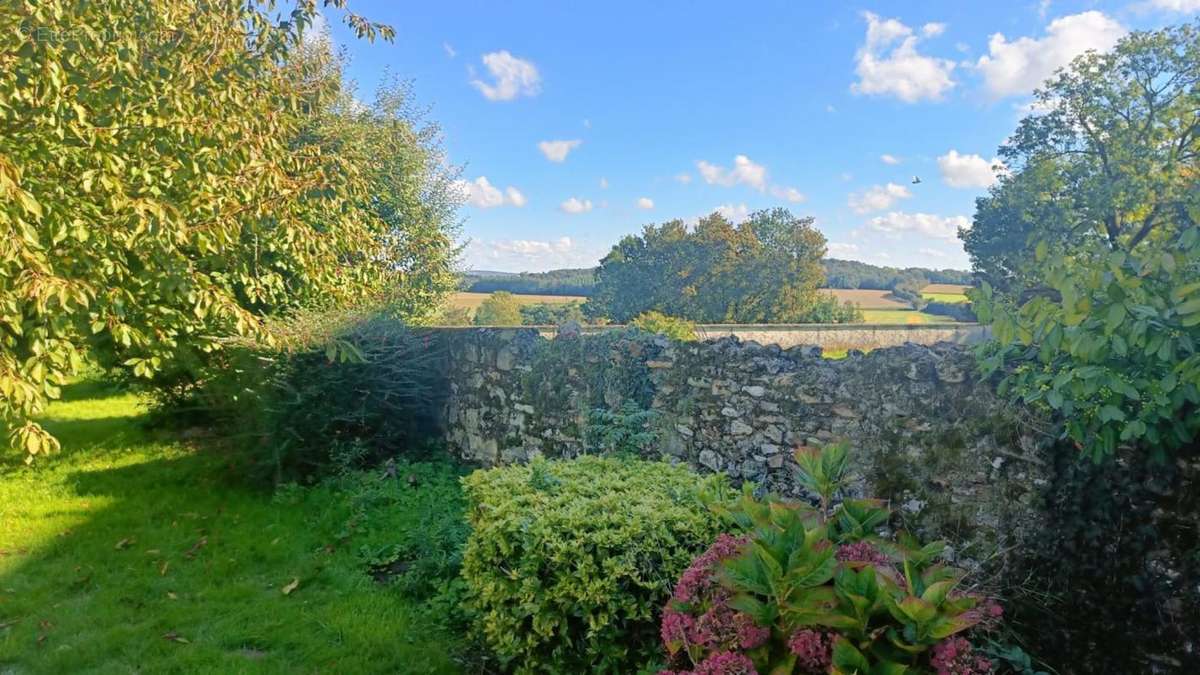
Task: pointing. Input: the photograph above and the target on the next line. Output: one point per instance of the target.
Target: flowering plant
(804, 590)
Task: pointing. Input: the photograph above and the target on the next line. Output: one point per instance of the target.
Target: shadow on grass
(130, 551)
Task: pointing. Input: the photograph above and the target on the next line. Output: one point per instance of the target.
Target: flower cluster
(861, 551)
(699, 577)
(813, 650)
(699, 626)
(955, 656)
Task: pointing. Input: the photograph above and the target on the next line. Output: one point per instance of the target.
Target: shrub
(815, 590)
(569, 561)
(827, 309)
(959, 311)
(359, 386)
(499, 309)
(670, 326)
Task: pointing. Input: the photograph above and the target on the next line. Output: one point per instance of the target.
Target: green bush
(348, 388)
(569, 561)
(662, 324)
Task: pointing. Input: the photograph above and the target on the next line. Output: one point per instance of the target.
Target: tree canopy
(174, 171)
(765, 269)
(1091, 247)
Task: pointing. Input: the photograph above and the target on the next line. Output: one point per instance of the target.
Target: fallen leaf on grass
(191, 553)
(287, 590)
(175, 637)
(124, 543)
(172, 595)
(162, 569)
(6, 624)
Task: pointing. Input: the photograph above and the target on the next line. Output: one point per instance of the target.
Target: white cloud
(924, 224)
(603, 183)
(557, 151)
(480, 193)
(514, 196)
(513, 77)
(1174, 5)
(932, 252)
(449, 48)
(933, 29)
(835, 248)
(645, 203)
(968, 171)
(576, 205)
(587, 124)
(684, 178)
(529, 255)
(888, 63)
(734, 213)
(830, 109)
(889, 159)
(791, 194)
(1018, 67)
(877, 197)
(744, 171)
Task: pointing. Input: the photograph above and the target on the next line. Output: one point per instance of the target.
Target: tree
(766, 269)
(1097, 312)
(174, 171)
(499, 309)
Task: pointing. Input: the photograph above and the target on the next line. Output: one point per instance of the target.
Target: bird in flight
(916, 180)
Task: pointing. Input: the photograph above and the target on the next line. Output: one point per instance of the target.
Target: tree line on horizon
(839, 274)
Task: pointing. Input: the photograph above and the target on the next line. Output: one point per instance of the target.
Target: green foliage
(627, 432)
(855, 274)
(806, 590)
(551, 313)
(358, 386)
(420, 555)
(827, 309)
(766, 269)
(172, 171)
(1097, 317)
(554, 282)
(568, 561)
(661, 324)
(499, 309)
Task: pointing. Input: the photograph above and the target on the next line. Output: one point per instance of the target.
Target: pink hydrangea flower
(750, 635)
(699, 575)
(861, 551)
(813, 650)
(726, 663)
(955, 656)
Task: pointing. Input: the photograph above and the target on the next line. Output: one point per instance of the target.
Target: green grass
(900, 316)
(136, 552)
(945, 297)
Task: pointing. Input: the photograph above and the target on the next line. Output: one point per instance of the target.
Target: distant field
(902, 316)
(877, 306)
(471, 301)
(867, 299)
(952, 289)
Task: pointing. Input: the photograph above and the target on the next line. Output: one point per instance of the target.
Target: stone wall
(827, 336)
(955, 460)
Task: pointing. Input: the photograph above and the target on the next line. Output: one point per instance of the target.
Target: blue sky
(577, 123)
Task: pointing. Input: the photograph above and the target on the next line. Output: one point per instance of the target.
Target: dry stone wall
(954, 460)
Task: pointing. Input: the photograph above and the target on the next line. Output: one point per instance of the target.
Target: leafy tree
(1097, 312)
(174, 171)
(551, 313)
(766, 269)
(499, 309)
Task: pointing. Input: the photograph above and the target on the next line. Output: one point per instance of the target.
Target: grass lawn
(135, 552)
